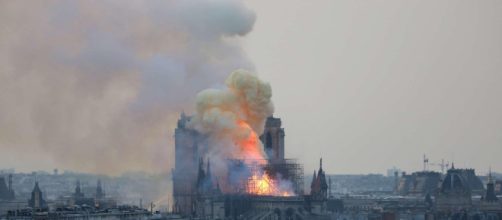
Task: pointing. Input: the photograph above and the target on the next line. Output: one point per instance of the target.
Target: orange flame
(263, 185)
(250, 146)
(259, 183)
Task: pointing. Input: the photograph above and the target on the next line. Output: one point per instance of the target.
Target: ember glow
(263, 185)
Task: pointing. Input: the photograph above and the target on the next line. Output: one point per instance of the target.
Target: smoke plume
(234, 117)
(97, 86)
(232, 120)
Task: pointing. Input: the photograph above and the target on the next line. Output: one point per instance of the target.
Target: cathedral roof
(454, 182)
(36, 188)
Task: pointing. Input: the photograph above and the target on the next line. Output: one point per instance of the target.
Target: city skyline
(366, 85)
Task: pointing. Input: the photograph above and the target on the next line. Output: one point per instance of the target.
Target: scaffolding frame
(241, 173)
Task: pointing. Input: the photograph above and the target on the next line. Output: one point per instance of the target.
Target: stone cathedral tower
(273, 139)
(187, 153)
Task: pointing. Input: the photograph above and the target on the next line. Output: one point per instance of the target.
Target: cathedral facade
(189, 150)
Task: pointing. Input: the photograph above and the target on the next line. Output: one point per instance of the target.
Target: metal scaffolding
(270, 177)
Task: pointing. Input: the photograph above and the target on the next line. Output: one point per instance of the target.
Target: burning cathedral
(229, 157)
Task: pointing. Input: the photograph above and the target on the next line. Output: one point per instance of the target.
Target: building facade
(189, 149)
(187, 142)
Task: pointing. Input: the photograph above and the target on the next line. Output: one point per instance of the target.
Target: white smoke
(234, 117)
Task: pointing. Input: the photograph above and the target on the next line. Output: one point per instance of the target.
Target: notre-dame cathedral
(188, 147)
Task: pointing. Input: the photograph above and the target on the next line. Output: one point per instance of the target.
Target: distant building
(6, 191)
(498, 187)
(392, 171)
(319, 186)
(78, 191)
(490, 190)
(100, 194)
(356, 183)
(474, 182)
(100, 200)
(490, 202)
(455, 193)
(79, 198)
(418, 183)
(37, 201)
(428, 182)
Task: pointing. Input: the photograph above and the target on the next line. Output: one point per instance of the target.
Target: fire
(260, 183)
(233, 119)
(263, 185)
(250, 146)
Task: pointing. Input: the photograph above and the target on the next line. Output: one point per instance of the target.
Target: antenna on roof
(426, 163)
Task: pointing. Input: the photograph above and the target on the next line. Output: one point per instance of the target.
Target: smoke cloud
(96, 86)
(234, 117)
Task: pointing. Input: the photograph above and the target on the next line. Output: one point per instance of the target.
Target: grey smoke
(97, 85)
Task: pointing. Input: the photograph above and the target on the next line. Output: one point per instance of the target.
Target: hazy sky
(97, 86)
(369, 85)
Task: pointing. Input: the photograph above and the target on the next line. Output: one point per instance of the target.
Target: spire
(208, 169)
(99, 190)
(490, 178)
(490, 195)
(218, 190)
(209, 179)
(201, 163)
(452, 165)
(201, 174)
(314, 177)
(37, 188)
(36, 200)
(320, 172)
(78, 192)
(77, 189)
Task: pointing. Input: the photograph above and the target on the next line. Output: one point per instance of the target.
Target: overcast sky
(97, 86)
(369, 85)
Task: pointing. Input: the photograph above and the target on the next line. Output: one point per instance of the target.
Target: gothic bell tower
(273, 139)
